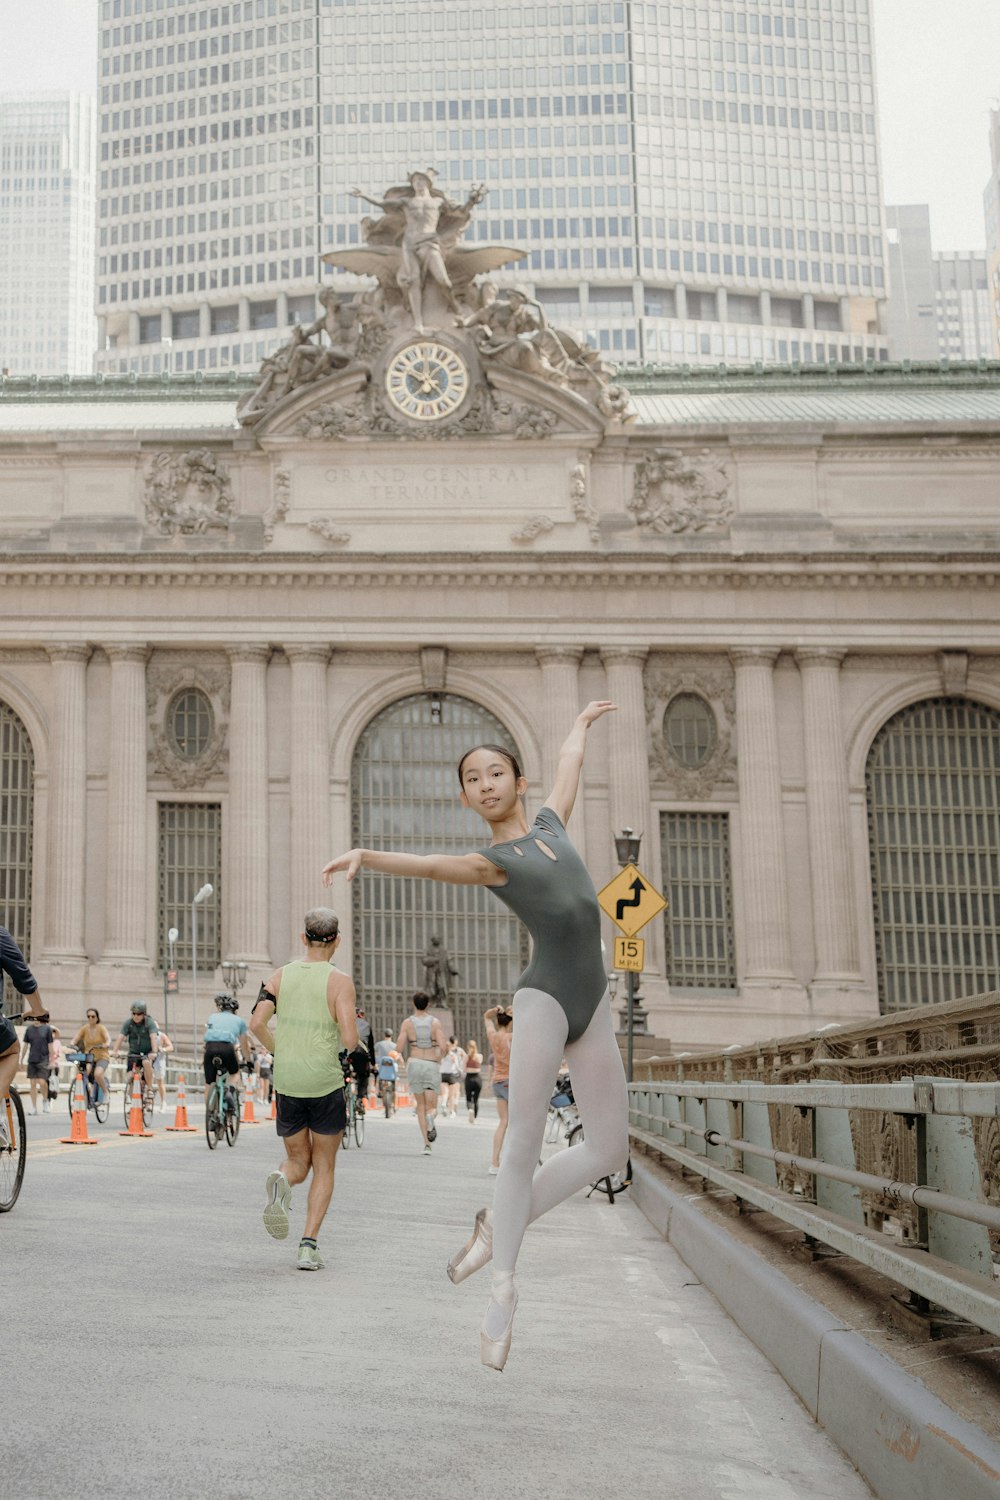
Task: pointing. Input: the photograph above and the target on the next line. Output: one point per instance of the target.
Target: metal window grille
(934, 835)
(689, 730)
(190, 853)
(17, 793)
(189, 718)
(405, 795)
(699, 919)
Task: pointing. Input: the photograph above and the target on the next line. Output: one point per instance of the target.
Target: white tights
(525, 1191)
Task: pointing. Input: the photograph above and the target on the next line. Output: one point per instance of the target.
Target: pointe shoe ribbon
(493, 1352)
(475, 1253)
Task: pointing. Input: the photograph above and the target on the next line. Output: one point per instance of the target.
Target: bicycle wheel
(102, 1101)
(346, 1140)
(213, 1124)
(575, 1137)
(127, 1099)
(359, 1125)
(388, 1101)
(71, 1091)
(148, 1096)
(12, 1156)
(232, 1125)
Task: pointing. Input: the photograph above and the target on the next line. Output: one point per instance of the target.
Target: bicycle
(387, 1091)
(615, 1182)
(355, 1115)
(98, 1097)
(13, 1150)
(146, 1091)
(222, 1112)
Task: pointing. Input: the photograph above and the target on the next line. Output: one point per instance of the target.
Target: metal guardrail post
(835, 1144)
(950, 1166)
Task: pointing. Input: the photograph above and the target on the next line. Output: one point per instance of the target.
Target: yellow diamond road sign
(630, 900)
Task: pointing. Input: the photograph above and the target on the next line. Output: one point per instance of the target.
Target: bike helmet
(231, 1003)
(139, 1005)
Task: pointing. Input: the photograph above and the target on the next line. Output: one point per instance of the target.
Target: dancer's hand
(597, 710)
(349, 863)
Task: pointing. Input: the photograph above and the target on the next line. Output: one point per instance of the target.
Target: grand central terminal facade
(247, 625)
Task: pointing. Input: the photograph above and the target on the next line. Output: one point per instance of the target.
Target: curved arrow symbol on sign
(637, 888)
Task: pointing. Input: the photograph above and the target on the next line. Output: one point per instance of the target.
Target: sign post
(630, 900)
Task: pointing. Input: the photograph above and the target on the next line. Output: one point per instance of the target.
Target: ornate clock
(426, 381)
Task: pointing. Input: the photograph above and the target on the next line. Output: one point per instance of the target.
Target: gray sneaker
(279, 1201)
(310, 1258)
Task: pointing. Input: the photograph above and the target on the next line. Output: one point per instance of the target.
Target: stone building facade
(230, 649)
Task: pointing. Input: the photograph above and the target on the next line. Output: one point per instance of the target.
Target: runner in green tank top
(314, 1004)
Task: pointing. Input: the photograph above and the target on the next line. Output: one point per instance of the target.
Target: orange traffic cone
(402, 1095)
(248, 1117)
(78, 1128)
(274, 1107)
(181, 1114)
(135, 1121)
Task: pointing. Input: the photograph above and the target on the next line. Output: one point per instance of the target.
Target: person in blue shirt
(226, 1041)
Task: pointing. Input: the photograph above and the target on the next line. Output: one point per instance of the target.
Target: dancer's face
(489, 785)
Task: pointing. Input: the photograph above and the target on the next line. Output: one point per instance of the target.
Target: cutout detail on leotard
(519, 851)
(546, 850)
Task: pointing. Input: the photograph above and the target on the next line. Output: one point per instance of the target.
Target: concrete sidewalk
(160, 1342)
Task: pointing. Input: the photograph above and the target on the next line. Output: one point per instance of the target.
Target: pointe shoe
(493, 1352)
(475, 1252)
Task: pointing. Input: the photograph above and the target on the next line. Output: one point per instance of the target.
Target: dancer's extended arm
(454, 869)
(567, 783)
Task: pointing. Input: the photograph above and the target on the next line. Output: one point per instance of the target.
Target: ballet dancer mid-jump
(562, 1004)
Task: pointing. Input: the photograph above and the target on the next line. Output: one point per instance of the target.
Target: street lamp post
(170, 977)
(201, 897)
(234, 975)
(627, 852)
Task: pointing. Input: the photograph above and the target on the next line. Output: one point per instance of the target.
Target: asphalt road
(158, 1343)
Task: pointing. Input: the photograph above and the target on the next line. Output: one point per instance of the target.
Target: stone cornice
(601, 572)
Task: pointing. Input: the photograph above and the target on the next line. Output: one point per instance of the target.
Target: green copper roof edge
(648, 380)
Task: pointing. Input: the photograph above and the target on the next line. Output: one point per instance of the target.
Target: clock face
(427, 381)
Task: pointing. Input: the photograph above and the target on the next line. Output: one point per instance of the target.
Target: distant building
(694, 184)
(940, 305)
(991, 207)
(47, 206)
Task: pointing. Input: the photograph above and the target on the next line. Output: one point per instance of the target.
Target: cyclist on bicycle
(141, 1032)
(363, 1055)
(387, 1061)
(12, 962)
(94, 1037)
(225, 1031)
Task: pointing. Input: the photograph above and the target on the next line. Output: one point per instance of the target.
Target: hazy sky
(938, 69)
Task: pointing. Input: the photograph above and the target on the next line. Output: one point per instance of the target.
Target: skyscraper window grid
(694, 183)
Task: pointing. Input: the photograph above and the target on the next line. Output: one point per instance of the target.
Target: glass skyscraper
(694, 183)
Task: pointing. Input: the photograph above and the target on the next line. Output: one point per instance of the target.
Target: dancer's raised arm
(567, 782)
(453, 869)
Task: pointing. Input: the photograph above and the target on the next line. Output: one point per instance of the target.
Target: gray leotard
(556, 901)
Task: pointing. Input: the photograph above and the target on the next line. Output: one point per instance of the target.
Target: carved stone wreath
(188, 494)
(691, 673)
(164, 680)
(280, 502)
(677, 491)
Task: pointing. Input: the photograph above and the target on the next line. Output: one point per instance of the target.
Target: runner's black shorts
(228, 1060)
(326, 1115)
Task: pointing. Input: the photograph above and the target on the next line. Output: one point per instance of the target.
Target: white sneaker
(472, 1118)
(493, 1170)
(47, 1107)
(33, 1110)
(427, 1150)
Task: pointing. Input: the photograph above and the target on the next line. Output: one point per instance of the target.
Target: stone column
(246, 928)
(560, 706)
(67, 803)
(309, 779)
(628, 762)
(680, 300)
(828, 817)
(767, 938)
(808, 310)
(127, 869)
(765, 308)
(721, 304)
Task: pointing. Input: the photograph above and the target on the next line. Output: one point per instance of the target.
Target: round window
(190, 723)
(689, 730)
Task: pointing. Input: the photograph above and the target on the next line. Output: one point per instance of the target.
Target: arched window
(17, 788)
(405, 795)
(933, 784)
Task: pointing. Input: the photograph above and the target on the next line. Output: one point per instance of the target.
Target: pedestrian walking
(499, 1032)
(160, 1069)
(473, 1080)
(315, 1003)
(562, 1003)
(421, 1042)
(38, 1056)
(452, 1068)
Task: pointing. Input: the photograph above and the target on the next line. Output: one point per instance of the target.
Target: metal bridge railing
(798, 1151)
